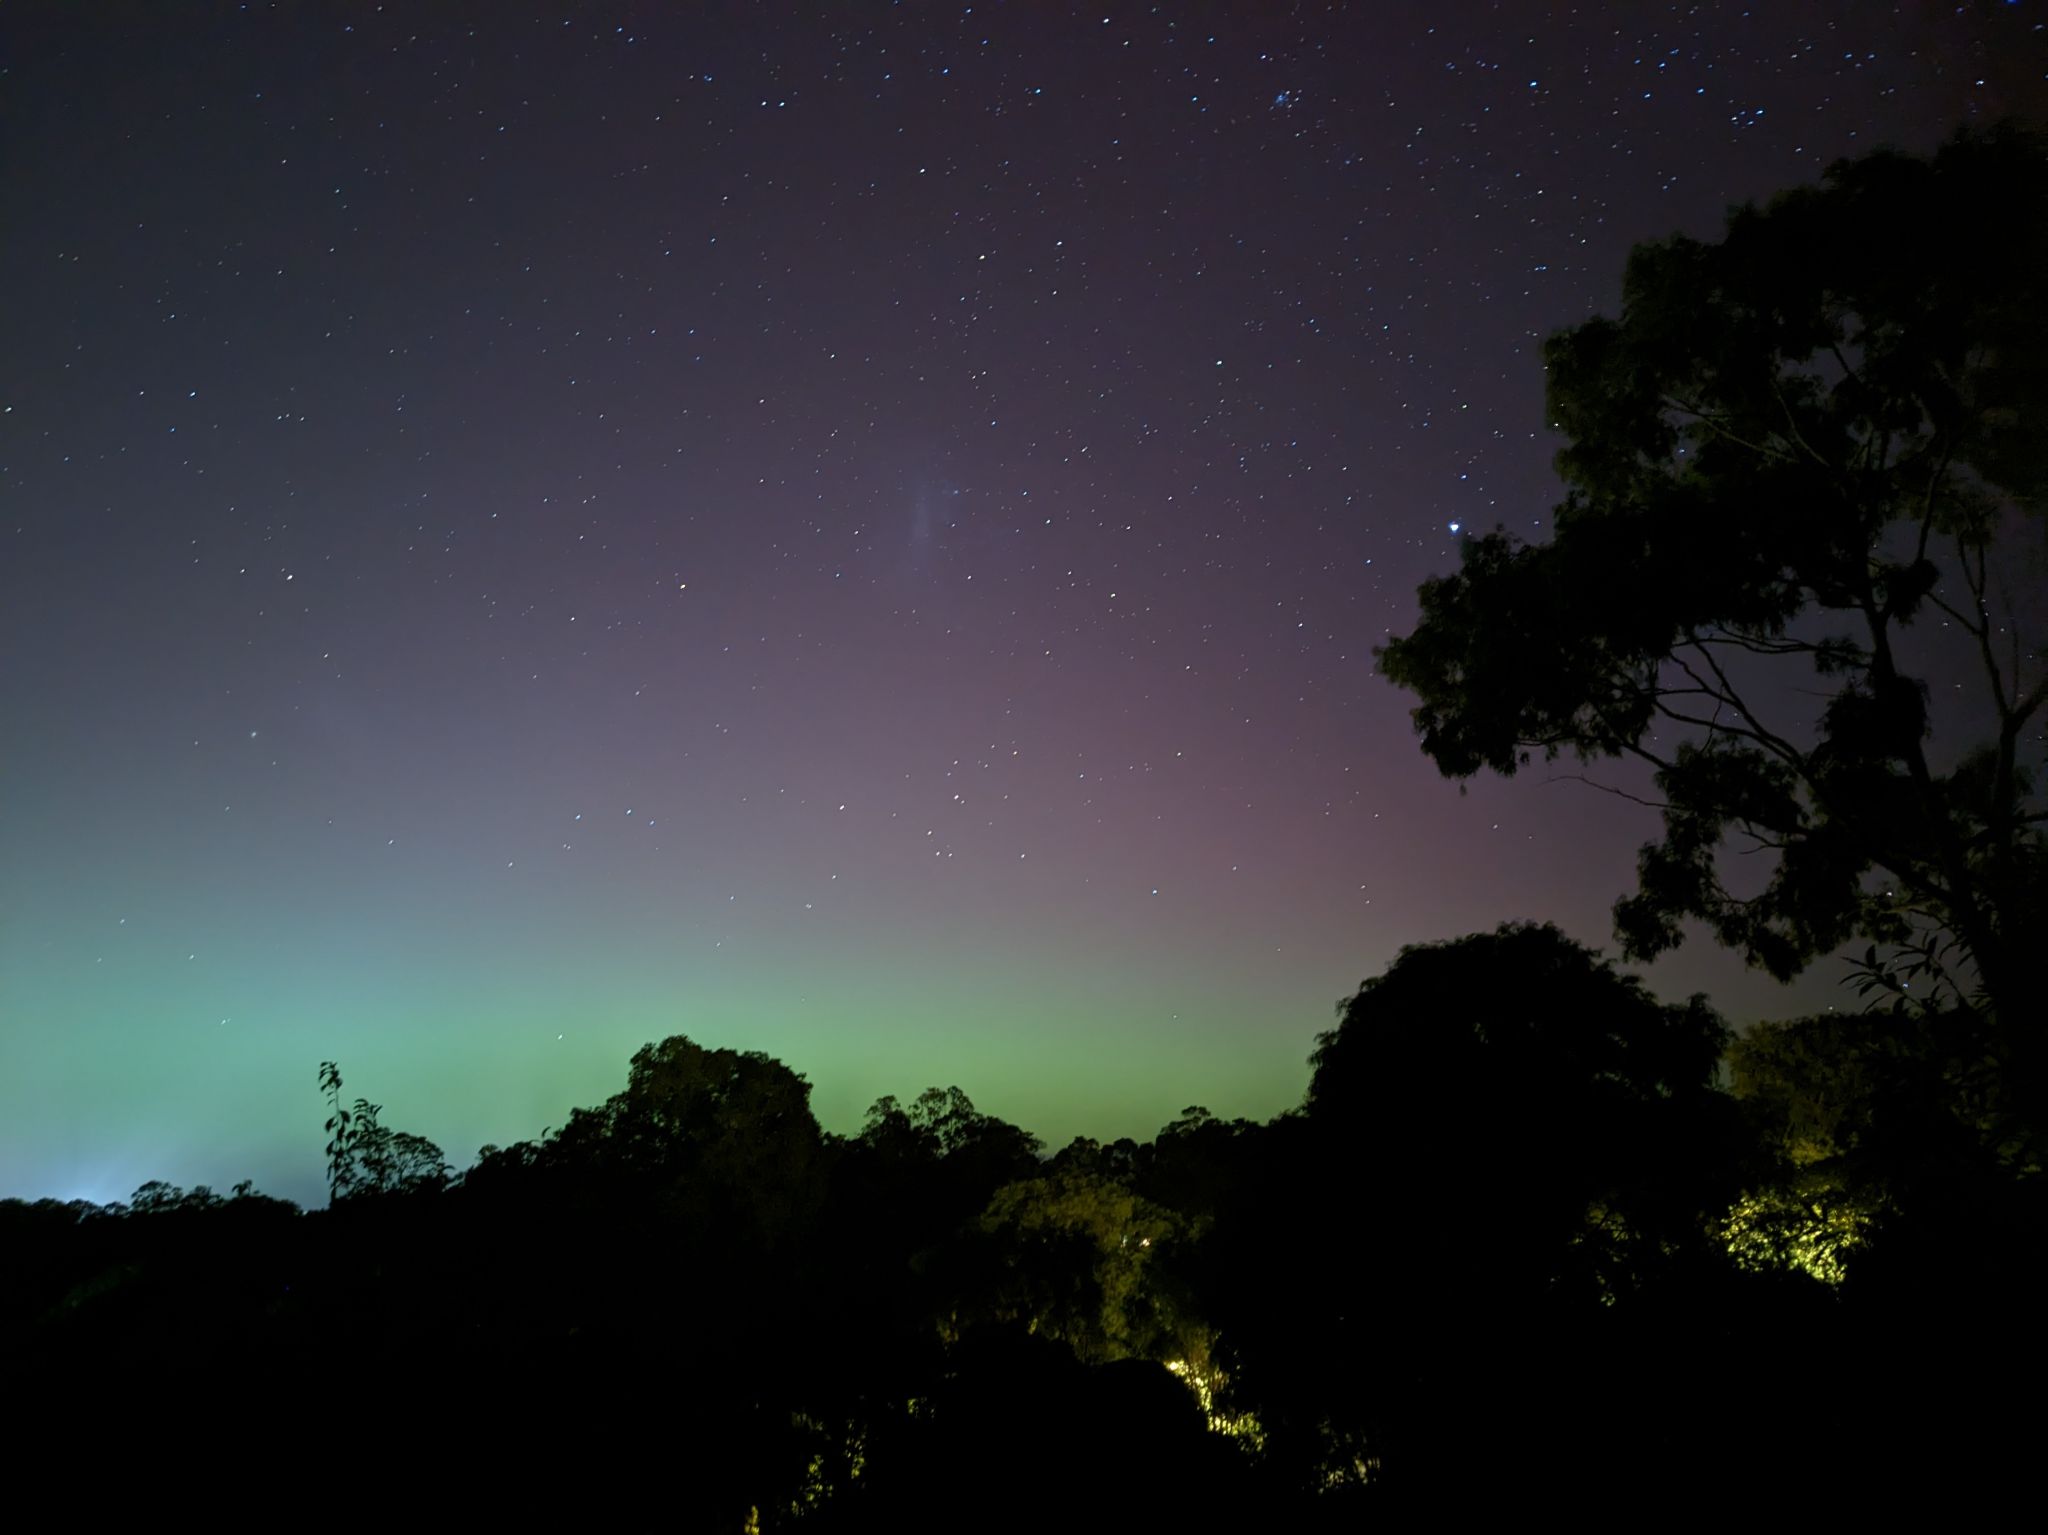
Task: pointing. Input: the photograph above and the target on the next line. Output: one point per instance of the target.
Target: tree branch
(1778, 745)
(1757, 646)
(1927, 507)
(1792, 427)
(1608, 788)
(1713, 422)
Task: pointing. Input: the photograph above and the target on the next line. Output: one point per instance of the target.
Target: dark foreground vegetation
(1515, 1248)
(1534, 1241)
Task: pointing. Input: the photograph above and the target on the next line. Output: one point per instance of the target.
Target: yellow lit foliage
(1810, 1230)
(1205, 1380)
(1116, 1233)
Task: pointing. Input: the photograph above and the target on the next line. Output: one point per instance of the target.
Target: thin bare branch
(1715, 423)
(1608, 788)
(1758, 646)
(1954, 612)
(1777, 744)
(1982, 630)
(1792, 428)
(1927, 507)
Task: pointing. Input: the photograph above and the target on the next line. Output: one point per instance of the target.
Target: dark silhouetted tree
(722, 1133)
(1506, 1145)
(365, 1156)
(1792, 448)
(1196, 1161)
(943, 1126)
(1552, 1102)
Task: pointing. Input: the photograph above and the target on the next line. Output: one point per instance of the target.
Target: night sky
(856, 532)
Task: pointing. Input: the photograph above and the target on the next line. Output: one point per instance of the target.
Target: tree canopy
(1508, 1245)
(703, 1129)
(1528, 1112)
(1807, 456)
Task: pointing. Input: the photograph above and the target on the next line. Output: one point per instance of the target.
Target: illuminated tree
(1866, 1119)
(1075, 1258)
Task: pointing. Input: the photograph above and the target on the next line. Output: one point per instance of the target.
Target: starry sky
(853, 531)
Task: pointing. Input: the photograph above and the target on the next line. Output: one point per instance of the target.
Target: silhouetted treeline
(1519, 1246)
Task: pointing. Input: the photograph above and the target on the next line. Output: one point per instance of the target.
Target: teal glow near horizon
(852, 538)
(177, 1025)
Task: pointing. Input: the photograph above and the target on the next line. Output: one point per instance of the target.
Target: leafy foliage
(367, 1157)
(1560, 1101)
(1506, 1161)
(1074, 1254)
(708, 1134)
(1794, 451)
(955, 1149)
